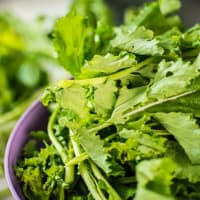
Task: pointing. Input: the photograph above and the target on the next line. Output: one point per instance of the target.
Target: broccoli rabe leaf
(140, 41)
(80, 34)
(127, 99)
(30, 148)
(185, 169)
(135, 92)
(170, 41)
(39, 174)
(154, 179)
(179, 103)
(33, 184)
(169, 6)
(109, 98)
(104, 65)
(69, 41)
(190, 38)
(125, 192)
(78, 112)
(154, 16)
(97, 154)
(94, 10)
(186, 131)
(136, 145)
(165, 82)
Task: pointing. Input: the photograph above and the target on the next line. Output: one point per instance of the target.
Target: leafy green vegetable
(185, 169)
(140, 41)
(154, 179)
(70, 41)
(42, 177)
(158, 16)
(165, 81)
(191, 37)
(170, 6)
(127, 126)
(185, 138)
(84, 34)
(98, 155)
(108, 64)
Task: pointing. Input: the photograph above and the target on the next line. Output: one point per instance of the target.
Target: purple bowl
(35, 118)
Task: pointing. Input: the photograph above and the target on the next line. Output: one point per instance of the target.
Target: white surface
(28, 10)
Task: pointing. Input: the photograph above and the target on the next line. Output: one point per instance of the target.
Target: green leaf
(73, 101)
(170, 41)
(30, 148)
(185, 169)
(38, 174)
(172, 78)
(127, 99)
(48, 96)
(67, 98)
(126, 192)
(94, 10)
(191, 38)
(154, 179)
(104, 32)
(108, 97)
(135, 145)
(33, 178)
(99, 25)
(69, 40)
(139, 41)
(104, 65)
(169, 6)
(186, 131)
(146, 14)
(97, 154)
(153, 16)
(187, 102)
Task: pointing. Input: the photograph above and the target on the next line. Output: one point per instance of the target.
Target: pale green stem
(69, 170)
(99, 80)
(84, 172)
(99, 176)
(76, 160)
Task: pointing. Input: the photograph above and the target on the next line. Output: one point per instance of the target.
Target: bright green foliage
(155, 16)
(165, 82)
(185, 130)
(191, 37)
(43, 173)
(84, 34)
(97, 154)
(127, 126)
(109, 98)
(78, 105)
(70, 33)
(139, 41)
(185, 169)
(154, 179)
(169, 6)
(104, 65)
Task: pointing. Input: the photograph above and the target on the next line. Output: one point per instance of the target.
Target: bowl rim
(8, 168)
